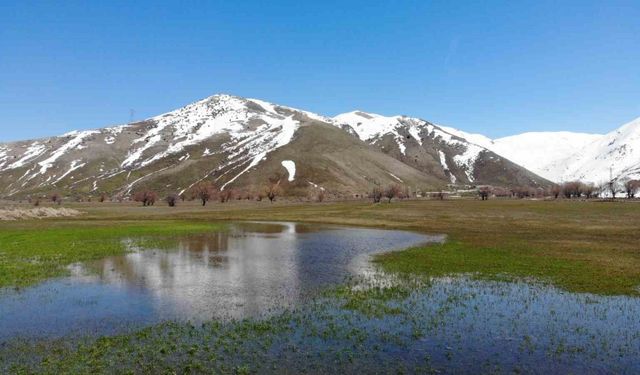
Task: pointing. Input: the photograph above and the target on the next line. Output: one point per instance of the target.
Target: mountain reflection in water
(249, 270)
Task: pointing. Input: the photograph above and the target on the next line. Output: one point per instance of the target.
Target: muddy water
(248, 270)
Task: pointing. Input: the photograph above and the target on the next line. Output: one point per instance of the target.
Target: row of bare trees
(568, 190)
(631, 187)
(207, 191)
(390, 192)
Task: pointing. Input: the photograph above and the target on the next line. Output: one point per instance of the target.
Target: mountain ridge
(234, 141)
(566, 156)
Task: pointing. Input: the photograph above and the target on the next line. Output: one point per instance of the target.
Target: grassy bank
(31, 251)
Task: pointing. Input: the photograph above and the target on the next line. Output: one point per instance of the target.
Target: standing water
(247, 270)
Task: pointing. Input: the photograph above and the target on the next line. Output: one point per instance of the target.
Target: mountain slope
(242, 144)
(539, 152)
(566, 156)
(436, 151)
(228, 139)
(615, 154)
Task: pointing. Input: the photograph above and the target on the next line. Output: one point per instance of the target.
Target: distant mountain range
(242, 144)
(567, 156)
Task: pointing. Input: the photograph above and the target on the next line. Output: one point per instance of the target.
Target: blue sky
(494, 67)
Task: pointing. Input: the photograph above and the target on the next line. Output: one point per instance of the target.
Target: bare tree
(573, 189)
(226, 195)
(440, 195)
(484, 192)
(172, 199)
(204, 191)
(555, 191)
(613, 187)
(404, 193)
(56, 198)
(376, 194)
(146, 197)
(589, 190)
(392, 191)
(520, 192)
(631, 188)
(272, 191)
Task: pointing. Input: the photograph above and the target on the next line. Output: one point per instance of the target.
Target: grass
(36, 250)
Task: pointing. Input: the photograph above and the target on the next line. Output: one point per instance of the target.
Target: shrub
(172, 200)
(146, 197)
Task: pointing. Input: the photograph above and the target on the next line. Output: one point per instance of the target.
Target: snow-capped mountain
(539, 152)
(566, 156)
(616, 154)
(242, 143)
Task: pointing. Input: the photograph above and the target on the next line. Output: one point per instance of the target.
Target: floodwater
(249, 270)
(255, 270)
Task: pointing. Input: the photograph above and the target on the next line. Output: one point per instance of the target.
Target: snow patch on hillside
(220, 114)
(315, 185)
(112, 133)
(76, 139)
(76, 164)
(290, 166)
(33, 151)
(467, 159)
(445, 167)
(370, 126)
(396, 177)
(3, 156)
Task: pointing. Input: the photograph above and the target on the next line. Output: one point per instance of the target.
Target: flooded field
(284, 297)
(247, 270)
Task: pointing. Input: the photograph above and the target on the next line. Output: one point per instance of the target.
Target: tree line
(206, 191)
(567, 190)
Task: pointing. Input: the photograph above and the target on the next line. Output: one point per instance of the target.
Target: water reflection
(250, 270)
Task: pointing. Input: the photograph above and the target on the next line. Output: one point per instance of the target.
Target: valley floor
(582, 247)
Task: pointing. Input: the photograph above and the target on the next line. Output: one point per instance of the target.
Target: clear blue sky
(495, 67)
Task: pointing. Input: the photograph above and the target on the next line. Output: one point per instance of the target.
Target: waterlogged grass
(580, 246)
(33, 251)
(414, 324)
(444, 325)
(509, 263)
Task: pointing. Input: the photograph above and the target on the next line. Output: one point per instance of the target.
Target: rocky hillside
(435, 151)
(243, 143)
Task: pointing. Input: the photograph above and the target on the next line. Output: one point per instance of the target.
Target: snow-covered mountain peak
(252, 124)
(369, 126)
(616, 153)
(563, 156)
